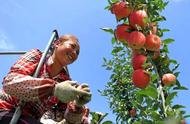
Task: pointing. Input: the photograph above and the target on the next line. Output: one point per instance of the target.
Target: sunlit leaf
(137, 122)
(187, 116)
(109, 30)
(107, 7)
(178, 106)
(165, 30)
(167, 41)
(173, 61)
(108, 122)
(170, 97)
(180, 88)
(154, 77)
(150, 91)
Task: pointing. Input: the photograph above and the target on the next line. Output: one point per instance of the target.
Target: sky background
(28, 24)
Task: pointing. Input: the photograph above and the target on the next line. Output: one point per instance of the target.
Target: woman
(52, 93)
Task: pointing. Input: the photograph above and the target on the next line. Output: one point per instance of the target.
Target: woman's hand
(82, 100)
(67, 91)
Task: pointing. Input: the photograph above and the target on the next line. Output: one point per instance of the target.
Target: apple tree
(144, 79)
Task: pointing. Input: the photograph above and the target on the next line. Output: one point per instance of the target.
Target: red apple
(138, 18)
(122, 32)
(138, 61)
(152, 42)
(121, 10)
(135, 52)
(183, 121)
(140, 78)
(136, 40)
(133, 112)
(168, 79)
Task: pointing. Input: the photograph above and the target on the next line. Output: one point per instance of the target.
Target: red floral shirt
(20, 85)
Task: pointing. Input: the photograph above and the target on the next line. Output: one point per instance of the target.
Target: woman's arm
(20, 83)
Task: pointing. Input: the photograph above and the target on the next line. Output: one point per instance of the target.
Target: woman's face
(67, 51)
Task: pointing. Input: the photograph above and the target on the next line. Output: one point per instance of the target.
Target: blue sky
(28, 24)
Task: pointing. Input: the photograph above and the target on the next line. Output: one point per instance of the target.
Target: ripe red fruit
(140, 78)
(121, 10)
(122, 32)
(138, 18)
(183, 121)
(138, 61)
(136, 40)
(168, 79)
(135, 52)
(133, 112)
(152, 42)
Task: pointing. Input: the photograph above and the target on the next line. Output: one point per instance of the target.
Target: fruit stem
(160, 88)
(161, 92)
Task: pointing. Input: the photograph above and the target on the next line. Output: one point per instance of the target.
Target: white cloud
(4, 44)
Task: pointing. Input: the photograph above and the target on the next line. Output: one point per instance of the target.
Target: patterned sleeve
(19, 82)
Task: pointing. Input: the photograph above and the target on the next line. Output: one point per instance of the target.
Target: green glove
(82, 100)
(66, 91)
(63, 122)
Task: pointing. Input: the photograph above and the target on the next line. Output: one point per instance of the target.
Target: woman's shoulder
(33, 53)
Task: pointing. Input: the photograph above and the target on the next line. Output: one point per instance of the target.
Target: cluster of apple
(136, 39)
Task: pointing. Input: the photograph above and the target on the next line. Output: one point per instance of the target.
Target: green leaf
(165, 49)
(176, 74)
(159, 33)
(155, 115)
(107, 122)
(149, 91)
(180, 88)
(102, 117)
(109, 30)
(112, 1)
(173, 61)
(116, 50)
(159, 18)
(160, 122)
(113, 40)
(187, 116)
(97, 116)
(178, 83)
(165, 30)
(154, 77)
(107, 7)
(167, 41)
(178, 106)
(175, 67)
(137, 122)
(170, 97)
(105, 60)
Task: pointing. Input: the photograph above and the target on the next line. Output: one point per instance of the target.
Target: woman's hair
(66, 37)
